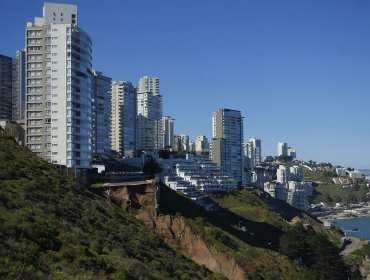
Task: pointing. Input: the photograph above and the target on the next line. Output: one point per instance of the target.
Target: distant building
(6, 87)
(177, 145)
(123, 118)
(101, 113)
(341, 172)
(191, 147)
(355, 174)
(248, 163)
(168, 132)
(149, 135)
(201, 144)
(283, 174)
(276, 190)
(282, 149)
(226, 148)
(19, 86)
(299, 193)
(292, 152)
(184, 142)
(253, 152)
(296, 173)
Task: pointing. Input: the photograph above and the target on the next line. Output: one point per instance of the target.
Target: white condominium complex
(123, 120)
(168, 132)
(149, 115)
(226, 148)
(58, 67)
(101, 113)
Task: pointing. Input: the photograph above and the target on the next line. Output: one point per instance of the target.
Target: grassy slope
(300, 245)
(52, 228)
(253, 249)
(330, 193)
(264, 249)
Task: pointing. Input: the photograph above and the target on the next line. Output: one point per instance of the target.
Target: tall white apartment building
(201, 144)
(282, 149)
(101, 113)
(149, 135)
(226, 148)
(58, 67)
(254, 152)
(123, 118)
(168, 131)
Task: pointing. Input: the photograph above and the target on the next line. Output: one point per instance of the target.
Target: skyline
(251, 57)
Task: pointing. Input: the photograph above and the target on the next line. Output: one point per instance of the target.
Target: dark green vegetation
(325, 177)
(260, 239)
(335, 193)
(328, 192)
(151, 167)
(308, 247)
(51, 228)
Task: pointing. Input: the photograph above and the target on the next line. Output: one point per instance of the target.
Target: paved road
(356, 243)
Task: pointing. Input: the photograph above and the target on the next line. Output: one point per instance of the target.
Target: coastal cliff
(140, 200)
(242, 239)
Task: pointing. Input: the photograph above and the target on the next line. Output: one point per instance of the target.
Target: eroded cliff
(140, 200)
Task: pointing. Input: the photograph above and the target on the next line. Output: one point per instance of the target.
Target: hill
(263, 245)
(52, 228)
(326, 191)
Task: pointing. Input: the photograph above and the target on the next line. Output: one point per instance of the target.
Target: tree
(151, 167)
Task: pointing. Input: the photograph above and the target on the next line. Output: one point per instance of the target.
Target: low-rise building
(341, 172)
(276, 190)
(355, 174)
(195, 172)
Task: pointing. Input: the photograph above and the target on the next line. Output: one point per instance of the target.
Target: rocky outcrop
(176, 233)
(140, 200)
(137, 198)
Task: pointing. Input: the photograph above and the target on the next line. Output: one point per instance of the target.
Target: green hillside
(326, 191)
(268, 247)
(51, 228)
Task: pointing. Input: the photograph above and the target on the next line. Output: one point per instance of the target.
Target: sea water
(357, 227)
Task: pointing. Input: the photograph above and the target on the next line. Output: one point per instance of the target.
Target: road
(356, 243)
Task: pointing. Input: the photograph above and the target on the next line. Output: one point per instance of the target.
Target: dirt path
(356, 243)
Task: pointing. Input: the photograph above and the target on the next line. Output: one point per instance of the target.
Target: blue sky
(298, 70)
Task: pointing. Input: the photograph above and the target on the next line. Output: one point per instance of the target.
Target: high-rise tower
(101, 113)
(19, 86)
(123, 131)
(226, 148)
(6, 87)
(168, 132)
(58, 87)
(149, 115)
(253, 152)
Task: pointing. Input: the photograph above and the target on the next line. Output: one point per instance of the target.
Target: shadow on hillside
(253, 233)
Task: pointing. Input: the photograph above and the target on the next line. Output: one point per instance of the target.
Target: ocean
(360, 223)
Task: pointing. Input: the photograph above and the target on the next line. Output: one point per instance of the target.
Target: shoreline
(342, 216)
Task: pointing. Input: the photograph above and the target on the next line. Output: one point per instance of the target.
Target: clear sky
(298, 70)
